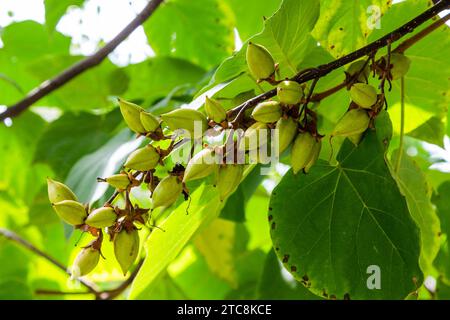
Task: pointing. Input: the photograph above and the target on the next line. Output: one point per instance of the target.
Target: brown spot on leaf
(346, 296)
(277, 249)
(270, 217)
(332, 47)
(285, 258)
(273, 225)
(293, 269)
(333, 297)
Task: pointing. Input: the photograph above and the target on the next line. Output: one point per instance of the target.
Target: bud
(214, 110)
(70, 211)
(252, 135)
(131, 114)
(185, 119)
(149, 121)
(58, 191)
(259, 61)
(166, 192)
(287, 129)
(356, 67)
(119, 181)
(364, 95)
(126, 248)
(289, 92)
(315, 155)
(201, 165)
(353, 122)
(101, 218)
(267, 112)
(302, 151)
(230, 176)
(143, 159)
(85, 261)
(399, 65)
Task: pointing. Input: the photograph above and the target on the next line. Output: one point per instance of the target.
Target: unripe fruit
(356, 67)
(143, 159)
(166, 192)
(355, 139)
(131, 114)
(364, 95)
(149, 121)
(70, 211)
(85, 261)
(119, 181)
(185, 119)
(400, 65)
(287, 129)
(201, 165)
(289, 92)
(302, 151)
(214, 110)
(58, 191)
(353, 122)
(267, 112)
(254, 136)
(259, 61)
(315, 155)
(126, 248)
(101, 218)
(230, 176)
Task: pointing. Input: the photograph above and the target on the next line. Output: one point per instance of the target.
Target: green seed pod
(185, 119)
(119, 181)
(364, 95)
(355, 139)
(267, 112)
(315, 155)
(131, 114)
(230, 176)
(259, 61)
(58, 191)
(149, 121)
(70, 211)
(126, 248)
(85, 261)
(287, 130)
(252, 137)
(143, 159)
(353, 122)
(101, 218)
(302, 151)
(356, 67)
(214, 110)
(289, 92)
(399, 65)
(166, 192)
(200, 166)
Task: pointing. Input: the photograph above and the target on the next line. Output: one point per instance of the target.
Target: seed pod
(364, 95)
(267, 112)
(315, 155)
(70, 211)
(143, 159)
(353, 122)
(119, 181)
(214, 110)
(185, 119)
(131, 114)
(230, 176)
(289, 92)
(58, 191)
(85, 261)
(259, 61)
(201, 165)
(149, 121)
(287, 129)
(355, 139)
(126, 248)
(252, 137)
(101, 218)
(302, 151)
(399, 65)
(356, 67)
(166, 192)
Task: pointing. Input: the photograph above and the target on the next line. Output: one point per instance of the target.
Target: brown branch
(322, 95)
(50, 85)
(325, 69)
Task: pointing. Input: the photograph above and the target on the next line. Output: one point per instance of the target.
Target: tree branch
(50, 85)
(322, 70)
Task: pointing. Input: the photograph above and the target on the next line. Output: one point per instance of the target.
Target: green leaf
(442, 202)
(55, 9)
(199, 31)
(163, 247)
(336, 221)
(432, 131)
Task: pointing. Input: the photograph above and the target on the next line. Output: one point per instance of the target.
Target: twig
(52, 84)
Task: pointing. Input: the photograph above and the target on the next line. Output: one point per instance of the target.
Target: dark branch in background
(322, 70)
(89, 62)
